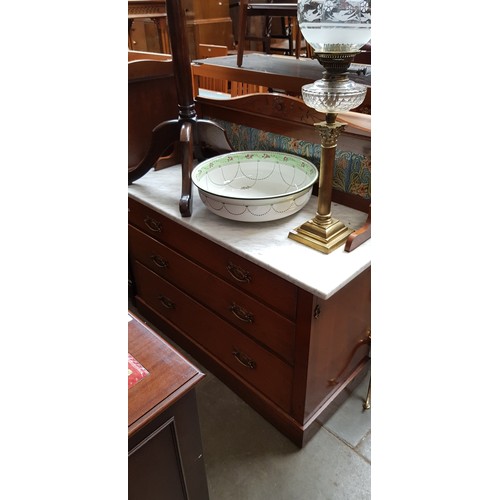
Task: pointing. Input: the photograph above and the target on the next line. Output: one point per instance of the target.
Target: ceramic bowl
(255, 186)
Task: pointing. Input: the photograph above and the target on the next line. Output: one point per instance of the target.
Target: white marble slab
(264, 243)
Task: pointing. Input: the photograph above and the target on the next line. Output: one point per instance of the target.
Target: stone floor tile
(351, 422)
(248, 459)
(364, 447)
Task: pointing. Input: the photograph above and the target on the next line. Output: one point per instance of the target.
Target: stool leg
(266, 35)
(297, 36)
(242, 32)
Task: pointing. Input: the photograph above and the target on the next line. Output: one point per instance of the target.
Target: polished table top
(169, 377)
(266, 66)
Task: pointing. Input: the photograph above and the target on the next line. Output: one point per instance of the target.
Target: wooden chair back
(266, 10)
(152, 99)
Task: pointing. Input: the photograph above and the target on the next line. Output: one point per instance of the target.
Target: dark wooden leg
(266, 35)
(298, 37)
(186, 138)
(289, 33)
(242, 32)
(201, 139)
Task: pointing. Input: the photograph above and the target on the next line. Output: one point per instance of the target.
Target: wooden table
(271, 70)
(165, 451)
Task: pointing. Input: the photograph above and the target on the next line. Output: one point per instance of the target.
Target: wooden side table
(165, 458)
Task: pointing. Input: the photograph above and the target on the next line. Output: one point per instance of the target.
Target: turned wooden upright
(197, 138)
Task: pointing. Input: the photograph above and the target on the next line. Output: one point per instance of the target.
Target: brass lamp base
(332, 94)
(324, 236)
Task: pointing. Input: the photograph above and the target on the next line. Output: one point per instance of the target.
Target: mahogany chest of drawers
(290, 354)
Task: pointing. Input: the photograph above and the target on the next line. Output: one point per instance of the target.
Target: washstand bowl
(255, 186)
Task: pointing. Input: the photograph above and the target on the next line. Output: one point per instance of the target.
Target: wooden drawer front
(244, 312)
(263, 285)
(267, 373)
(149, 221)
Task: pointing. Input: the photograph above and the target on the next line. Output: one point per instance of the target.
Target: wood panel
(152, 99)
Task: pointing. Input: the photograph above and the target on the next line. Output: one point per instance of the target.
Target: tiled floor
(246, 458)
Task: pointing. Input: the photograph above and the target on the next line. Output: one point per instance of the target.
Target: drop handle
(244, 359)
(159, 261)
(238, 273)
(367, 340)
(166, 302)
(241, 313)
(153, 224)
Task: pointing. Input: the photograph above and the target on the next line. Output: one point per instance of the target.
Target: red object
(136, 371)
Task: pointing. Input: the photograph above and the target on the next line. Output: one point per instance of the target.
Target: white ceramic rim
(281, 196)
(255, 201)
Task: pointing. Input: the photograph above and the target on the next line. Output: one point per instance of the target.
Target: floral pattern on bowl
(255, 186)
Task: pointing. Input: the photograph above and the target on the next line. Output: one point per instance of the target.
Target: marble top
(264, 243)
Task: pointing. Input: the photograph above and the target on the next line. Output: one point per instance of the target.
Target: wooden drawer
(256, 365)
(263, 285)
(229, 302)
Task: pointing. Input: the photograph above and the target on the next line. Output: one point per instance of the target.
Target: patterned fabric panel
(352, 171)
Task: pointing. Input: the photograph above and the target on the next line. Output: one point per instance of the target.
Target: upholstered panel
(352, 171)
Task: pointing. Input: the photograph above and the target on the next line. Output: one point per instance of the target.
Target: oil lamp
(336, 30)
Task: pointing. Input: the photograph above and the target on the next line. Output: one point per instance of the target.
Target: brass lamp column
(336, 31)
(324, 233)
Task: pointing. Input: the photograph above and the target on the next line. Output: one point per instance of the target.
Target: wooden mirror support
(198, 138)
(359, 236)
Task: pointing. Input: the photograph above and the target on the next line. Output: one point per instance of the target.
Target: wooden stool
(266, 10)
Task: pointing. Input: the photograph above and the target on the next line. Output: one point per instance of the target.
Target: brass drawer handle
(241, 314)
(159, 261)
(153, 224)
(238, 273)
(244, 359)
(366, 340)
(166, 302)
